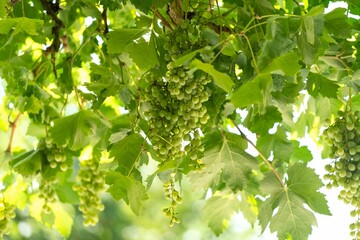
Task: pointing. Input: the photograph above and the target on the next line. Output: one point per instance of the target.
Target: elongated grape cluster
(7, 212)
(47, 193)
(174, 196)
(91, 182)
(55, 155)
(175, 102)
(343, 136)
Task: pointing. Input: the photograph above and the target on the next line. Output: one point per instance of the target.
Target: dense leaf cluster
(96, 92)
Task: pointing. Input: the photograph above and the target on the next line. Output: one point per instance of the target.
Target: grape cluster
(55, 155)
(175, 107)
(173, 195)
(7, 212)
(343, 136)
(47, 193)
(91, 182)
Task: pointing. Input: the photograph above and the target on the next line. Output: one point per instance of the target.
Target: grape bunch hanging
(343, 136)
(91, 181)
(175, 102)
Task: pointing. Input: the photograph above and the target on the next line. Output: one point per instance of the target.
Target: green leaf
(118, 136)
(318, 84)
(28, 163)
(300, 153)
(218, 210)
(254, 91)
(310, 29)
(30, 26)
(3, 5)
(127, 152)
(309, 40)
(277, 40)
(292, 219)
(77, 130)
(221, 79)
(128, 189)
(27, 25)
(144, 53)
(120, 39)
(186, 58)
(64, 218)
(336, 23)
(277, 143)
(161, 168)
(286, 64)
(225, 156)
(237, 165)
(304, 182)
(248, 207)
(261, 123)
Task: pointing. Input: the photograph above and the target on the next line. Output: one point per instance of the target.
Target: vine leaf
(127, 152)
(248, 207)
(60, 215)
(28, 163)
(277, 143)
(304, 182)
(336, 23)
(3, 5)
(127, 188)
(221, 79)
(225, 158)
(261, 123)
(144, 53)
(120, 39)
(218, 210)
(292, 218)
(77, 130)
(22, 24)
(286, 64)
(311, 29)
(252, 92)
(319, 84)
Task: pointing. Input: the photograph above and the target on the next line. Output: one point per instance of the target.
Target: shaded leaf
(336, 23)
(28, 163)
(254, 91)
(77, 130)
(221, 79)
(128, 189)
(144, 53)
(318, 84)
(225, 156)
(218, 210)
(127, 152)
(120, 39)
(304, 182)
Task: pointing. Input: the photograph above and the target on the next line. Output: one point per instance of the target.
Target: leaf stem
(252, 53)
(23, 8)
(13, 125)
(267, 162)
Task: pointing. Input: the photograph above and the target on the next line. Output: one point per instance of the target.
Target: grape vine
(216, 94)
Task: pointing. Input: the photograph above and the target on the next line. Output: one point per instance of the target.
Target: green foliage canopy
(74, 75)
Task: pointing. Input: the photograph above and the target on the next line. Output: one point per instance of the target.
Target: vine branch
(267, 162)
(13, 126)
(104, 18)
(161, 17)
